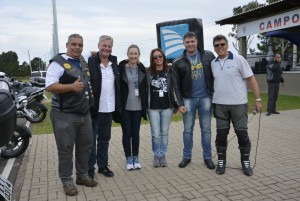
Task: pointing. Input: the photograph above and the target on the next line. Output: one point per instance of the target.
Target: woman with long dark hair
(160, 104)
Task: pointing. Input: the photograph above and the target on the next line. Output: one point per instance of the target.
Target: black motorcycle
(18, 143)
(29, 106)
(29, 101)
(14, 138)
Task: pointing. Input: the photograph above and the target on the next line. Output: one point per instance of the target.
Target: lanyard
(222, 62)
(134, 77)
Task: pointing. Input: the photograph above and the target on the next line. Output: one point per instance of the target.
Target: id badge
(161, 93)
(136, 92)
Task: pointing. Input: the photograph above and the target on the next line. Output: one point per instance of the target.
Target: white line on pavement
(8, 167)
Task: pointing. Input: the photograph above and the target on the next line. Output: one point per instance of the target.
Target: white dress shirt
(107, 96)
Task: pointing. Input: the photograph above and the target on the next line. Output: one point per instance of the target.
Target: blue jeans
(204, 107)
(101, 136)
(131, 132)
(159, 123)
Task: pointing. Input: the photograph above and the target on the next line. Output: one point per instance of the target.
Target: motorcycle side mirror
(7, 113)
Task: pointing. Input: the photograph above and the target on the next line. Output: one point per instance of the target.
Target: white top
(107, 96)
(55, 71)
(230, 80)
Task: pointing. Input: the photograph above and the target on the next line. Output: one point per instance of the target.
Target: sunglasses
(220, 45)
(157, 57)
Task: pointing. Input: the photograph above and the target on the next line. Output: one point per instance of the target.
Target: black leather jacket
(96, 82)
(183, 78)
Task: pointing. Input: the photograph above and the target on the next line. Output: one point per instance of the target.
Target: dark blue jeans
(131, 132)
(102, 134)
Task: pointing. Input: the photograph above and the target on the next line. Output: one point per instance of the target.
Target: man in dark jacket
(193, 83)
(274, 77)
(105, 83)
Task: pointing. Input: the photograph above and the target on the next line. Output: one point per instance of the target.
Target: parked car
(38, 78)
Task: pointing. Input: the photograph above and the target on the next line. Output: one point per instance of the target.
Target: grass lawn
(284, 103)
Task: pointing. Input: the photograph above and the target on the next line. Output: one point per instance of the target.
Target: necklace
(195, 60)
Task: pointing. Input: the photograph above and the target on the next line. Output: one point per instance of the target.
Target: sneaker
(163, 161)
(70, 189)
(136, 163)
(86, 181)
(106, 171)
(129, 163)
(156, 162)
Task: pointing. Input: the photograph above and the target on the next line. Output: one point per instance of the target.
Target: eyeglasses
(219, 44)
(157, 57)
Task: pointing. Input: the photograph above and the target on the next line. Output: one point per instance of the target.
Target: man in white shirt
(231, 72)
(68, 79)
(107, 106)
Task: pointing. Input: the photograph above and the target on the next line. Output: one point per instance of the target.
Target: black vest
(73, 102)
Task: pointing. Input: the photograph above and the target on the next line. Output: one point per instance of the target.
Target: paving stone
(276, 174)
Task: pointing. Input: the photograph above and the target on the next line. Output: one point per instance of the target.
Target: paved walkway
(276, 172)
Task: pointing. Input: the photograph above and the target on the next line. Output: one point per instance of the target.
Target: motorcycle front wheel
(18, 143)
(38, 113)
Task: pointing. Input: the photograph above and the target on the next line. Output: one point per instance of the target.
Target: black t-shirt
(159, 91)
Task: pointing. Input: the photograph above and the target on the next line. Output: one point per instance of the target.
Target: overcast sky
(27, 25)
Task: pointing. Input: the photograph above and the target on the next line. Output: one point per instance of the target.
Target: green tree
(38, 64)
(239, 10)
(242, 9)
(25, 69)
(9, 63)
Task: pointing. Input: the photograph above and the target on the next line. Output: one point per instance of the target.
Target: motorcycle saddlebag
(7, 115)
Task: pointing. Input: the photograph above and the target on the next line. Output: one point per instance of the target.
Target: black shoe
(184, 162)
(209, 164)
(106, 171)
(246, 168)
(275, 112)
(268, 113)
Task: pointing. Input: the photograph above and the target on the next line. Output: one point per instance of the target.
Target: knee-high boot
(221, 160)
(245, 154)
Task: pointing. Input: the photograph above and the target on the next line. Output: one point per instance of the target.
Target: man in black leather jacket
(105, 81)
(193, 82)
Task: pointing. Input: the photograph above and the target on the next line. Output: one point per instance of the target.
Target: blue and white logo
(171, 38)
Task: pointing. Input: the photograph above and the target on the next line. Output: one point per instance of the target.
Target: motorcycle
(18, 143)
(14, 138)
(29, 103)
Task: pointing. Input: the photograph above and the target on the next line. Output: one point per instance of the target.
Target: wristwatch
(258, 99)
